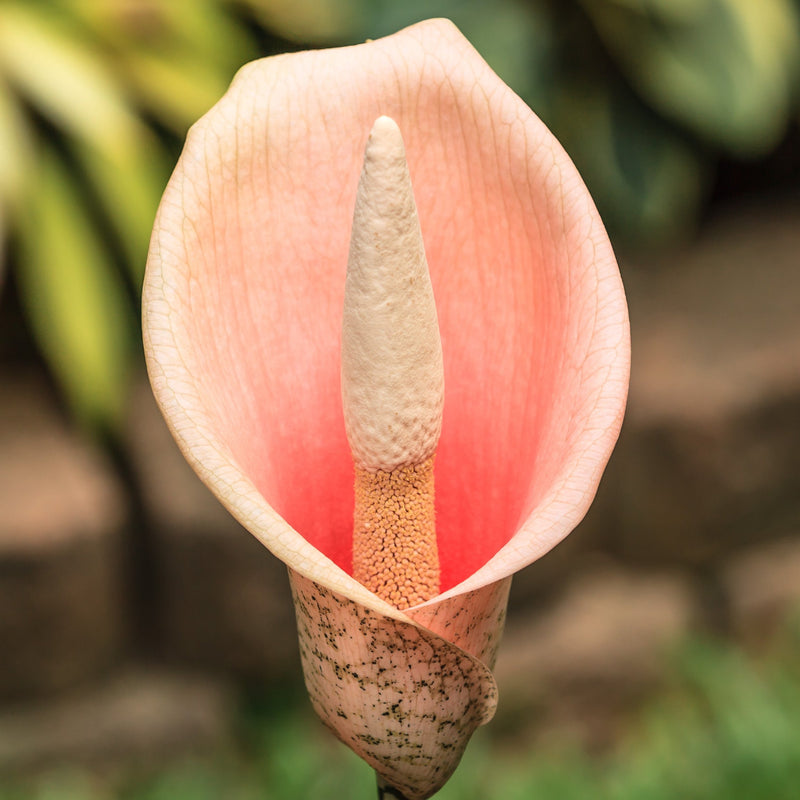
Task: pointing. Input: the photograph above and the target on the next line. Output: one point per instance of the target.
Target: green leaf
(75, 301)
(2, 247)
(318, 21)
(15, 151)
(514, 37)
(647, 182)
(724, 68)
(176, 59)
(63, 77)
(204, 27)
(177, 87)
(666, 11)
(129, 183)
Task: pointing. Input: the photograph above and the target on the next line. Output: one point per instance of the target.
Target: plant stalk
(387, 792)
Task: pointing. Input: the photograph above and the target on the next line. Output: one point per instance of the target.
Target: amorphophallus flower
(325, 444)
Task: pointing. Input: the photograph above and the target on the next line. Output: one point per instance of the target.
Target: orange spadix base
(394, 534)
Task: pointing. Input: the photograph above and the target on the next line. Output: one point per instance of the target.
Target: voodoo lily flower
(319, 381)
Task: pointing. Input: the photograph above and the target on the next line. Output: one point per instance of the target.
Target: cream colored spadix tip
(392, 374)
(385, 141)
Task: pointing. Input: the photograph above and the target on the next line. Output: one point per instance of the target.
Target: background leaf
(175, 59)
(128, 181)
(75, 301)
(178, 88)
(644, 177)
(514, 37)
(15, 150)
(64, 77)
(308, 21)
(724, 68)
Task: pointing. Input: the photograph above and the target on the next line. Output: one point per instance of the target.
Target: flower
(242, 326)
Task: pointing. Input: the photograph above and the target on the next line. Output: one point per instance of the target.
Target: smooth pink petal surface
(243, 302)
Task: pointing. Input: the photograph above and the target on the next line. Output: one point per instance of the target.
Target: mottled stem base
(386, 792)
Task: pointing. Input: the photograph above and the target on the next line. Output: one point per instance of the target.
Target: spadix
(392, 380)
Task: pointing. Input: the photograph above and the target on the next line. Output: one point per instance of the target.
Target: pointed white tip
(392, 373)
(385, 137)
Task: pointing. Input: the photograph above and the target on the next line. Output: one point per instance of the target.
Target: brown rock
(225, 600)
(136, 717)
(579, 665)
(61, 615)
(709, 456)
(763, 588)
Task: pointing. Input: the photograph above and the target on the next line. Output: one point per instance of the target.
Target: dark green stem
(386, 792)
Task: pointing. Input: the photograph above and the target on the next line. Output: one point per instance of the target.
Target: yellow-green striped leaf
(129, 183)
(62, 76)
(75, 301)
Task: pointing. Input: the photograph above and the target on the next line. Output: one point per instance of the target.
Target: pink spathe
(244, 292)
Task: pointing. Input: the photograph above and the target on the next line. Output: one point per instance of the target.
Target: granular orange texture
(394, 535)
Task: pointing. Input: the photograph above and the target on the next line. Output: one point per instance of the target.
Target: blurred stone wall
(696, 525)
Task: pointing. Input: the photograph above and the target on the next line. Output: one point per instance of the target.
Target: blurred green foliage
(725, 728)
(90, 95)
(96, 95)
